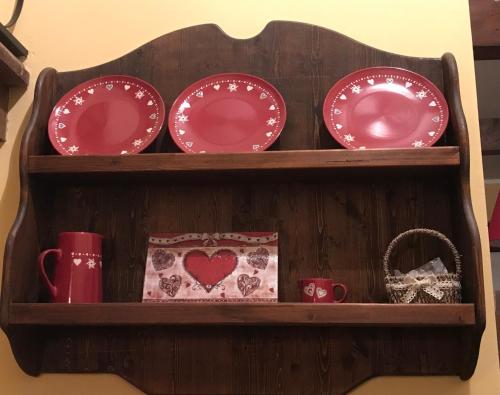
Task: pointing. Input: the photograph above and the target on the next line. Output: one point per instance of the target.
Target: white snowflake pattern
(137, 142)
(356, 89)
(271, 121)
(418, 143)
(78, 100)
(232, 87)
(421, 94)
(91, 263)
(348, 137)
(139, 94)
(73, 149)
(183, 118)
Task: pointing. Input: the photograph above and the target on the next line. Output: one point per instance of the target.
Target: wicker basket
(444, 288)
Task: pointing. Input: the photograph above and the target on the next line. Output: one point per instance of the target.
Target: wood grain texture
(273, 160)
(12, 71)
(355, 314)
(332, 223)
(485, 22)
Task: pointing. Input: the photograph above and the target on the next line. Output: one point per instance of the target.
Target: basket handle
(429, 232)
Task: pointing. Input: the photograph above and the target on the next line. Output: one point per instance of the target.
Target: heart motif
(408, 84)
(109, 86)
(258, 259)
(338, 126)
(217, 87)
(209, 271)
(432, 133)
(124, 152)
(389, 80)
(435, 119)
(337, 111)
(269, 134)
(255, 147)
(77, 261)
(262, 96)
(343, 97)
(321, 292)
(432, 104)
(247, 285)
(149, 130)
(61, 126)
(162, 259)
(182, 132)
(170, 285)
(90, 91)
(126, 87)
(370, 81)
(189, 144)
(362, 147)
(63, 139)
(199, 94)
(152, 116)
(309, 289)
(66, 111)
(150, 102)
(272, 107)
(249, 88)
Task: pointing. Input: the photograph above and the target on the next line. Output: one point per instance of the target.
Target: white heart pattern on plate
(199, 94)
(269, 134)
(272, 107)
(189, 144)
(90, 91)
(249, 88)
(370, 81)
(66, 111)
(150, 102)
(343, 97)
(435, 119)
(217, 87)
(255, 147)
(321, 292)
(181, 132)
(432, 133)
(77, 261)
(63, 139)
(389, 80)
(61, 125)
(432, 104)
(149, 130)
(126, 87)
(408, 84)
(262, 96)
(309, 289)
(338, 126)
(109, 86)
(337, 111)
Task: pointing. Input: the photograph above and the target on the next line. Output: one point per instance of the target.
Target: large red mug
(78, 270)
(321, 290)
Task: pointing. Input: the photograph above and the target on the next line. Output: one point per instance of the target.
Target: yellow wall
(80, 33)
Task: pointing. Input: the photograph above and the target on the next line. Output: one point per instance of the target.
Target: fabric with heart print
(170, 285)
(259, 258)
(385, 107)
(109, 115)
(162, 259)
(230, 112)
(247, 285)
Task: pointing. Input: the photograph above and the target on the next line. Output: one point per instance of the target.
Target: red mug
(78, 270)
(320, 290)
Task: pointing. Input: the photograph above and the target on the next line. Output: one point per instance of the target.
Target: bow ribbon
(210, 238)
(427, 284)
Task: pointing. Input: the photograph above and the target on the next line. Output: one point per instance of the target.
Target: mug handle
(344, 288)
(41, 263)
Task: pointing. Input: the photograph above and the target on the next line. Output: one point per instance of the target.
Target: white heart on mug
(321, 292)
(189, 144)
(77, 261)
(309, 289)
(435, 119)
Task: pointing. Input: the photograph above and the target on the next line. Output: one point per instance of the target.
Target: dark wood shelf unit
(334, 220)
(178, 163)
(495, 246)
(262, 314)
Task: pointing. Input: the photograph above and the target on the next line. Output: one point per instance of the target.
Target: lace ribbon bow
(210, 238)
(427, 284)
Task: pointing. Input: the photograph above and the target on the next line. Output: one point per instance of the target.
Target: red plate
(230, 112)
(110, 115)
(385, 107)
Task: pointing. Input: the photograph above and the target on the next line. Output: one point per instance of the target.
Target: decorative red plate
(385, 107)
(230, 112)
(110, 115)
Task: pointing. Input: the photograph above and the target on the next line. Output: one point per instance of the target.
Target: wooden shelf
(270, 160)
(495, 246)
(348, 314)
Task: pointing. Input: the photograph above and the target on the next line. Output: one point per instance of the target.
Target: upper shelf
(352, 314)
(270, 160)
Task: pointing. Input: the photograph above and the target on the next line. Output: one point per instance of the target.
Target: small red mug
(320, 290)
(78, 270)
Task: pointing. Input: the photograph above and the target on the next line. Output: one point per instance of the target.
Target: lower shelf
(346, 314)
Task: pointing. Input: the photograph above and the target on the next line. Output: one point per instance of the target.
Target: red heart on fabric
(247, 284)
(209, 271)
